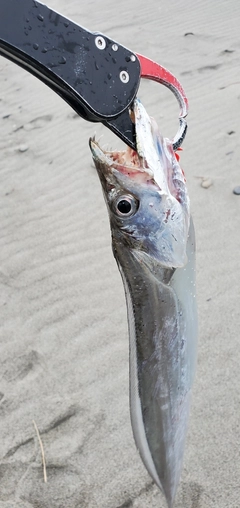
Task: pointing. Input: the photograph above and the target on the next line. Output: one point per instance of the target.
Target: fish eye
(125, 206)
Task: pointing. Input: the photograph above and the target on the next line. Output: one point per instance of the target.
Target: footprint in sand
(21, 366)
(209, 68)
(64, 482)
(193, 495)
(38, 123)
(201, 70)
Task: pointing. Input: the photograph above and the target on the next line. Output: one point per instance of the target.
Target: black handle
(98, 77)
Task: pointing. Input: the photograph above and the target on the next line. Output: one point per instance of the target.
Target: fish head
(145, 193)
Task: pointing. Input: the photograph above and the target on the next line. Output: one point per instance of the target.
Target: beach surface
(63, 321)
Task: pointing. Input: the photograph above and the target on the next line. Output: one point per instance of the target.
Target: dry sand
(63, 327)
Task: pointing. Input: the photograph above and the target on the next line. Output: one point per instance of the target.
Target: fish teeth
(99, 139)
(105, 147)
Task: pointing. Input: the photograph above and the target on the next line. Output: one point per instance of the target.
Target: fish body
(154, 246)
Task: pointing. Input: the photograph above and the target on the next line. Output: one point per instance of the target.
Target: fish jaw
(155, 180)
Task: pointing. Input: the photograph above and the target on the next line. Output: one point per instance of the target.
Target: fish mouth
(153, 163)
(126, 161)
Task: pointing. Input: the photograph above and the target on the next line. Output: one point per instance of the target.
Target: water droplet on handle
(35, 46)
(40, 17)
(62, 60)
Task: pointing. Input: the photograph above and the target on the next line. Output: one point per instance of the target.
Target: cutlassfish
(154, 246)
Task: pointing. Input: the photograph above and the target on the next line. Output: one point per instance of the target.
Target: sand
(63, 326)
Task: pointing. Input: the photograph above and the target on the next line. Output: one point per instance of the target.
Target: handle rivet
(124, 76)
(100, 42)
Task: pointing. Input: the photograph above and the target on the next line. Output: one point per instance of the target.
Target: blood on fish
(128, 157)
(168, 213)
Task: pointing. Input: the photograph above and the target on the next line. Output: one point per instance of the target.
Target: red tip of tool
(152, 70)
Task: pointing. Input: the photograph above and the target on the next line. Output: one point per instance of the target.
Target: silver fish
(154, 246)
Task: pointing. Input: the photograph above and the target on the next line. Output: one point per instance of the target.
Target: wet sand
(63, 326)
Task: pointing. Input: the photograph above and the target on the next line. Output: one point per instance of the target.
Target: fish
(153, 242)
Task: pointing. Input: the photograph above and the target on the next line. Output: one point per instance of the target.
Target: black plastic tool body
(98, 77)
